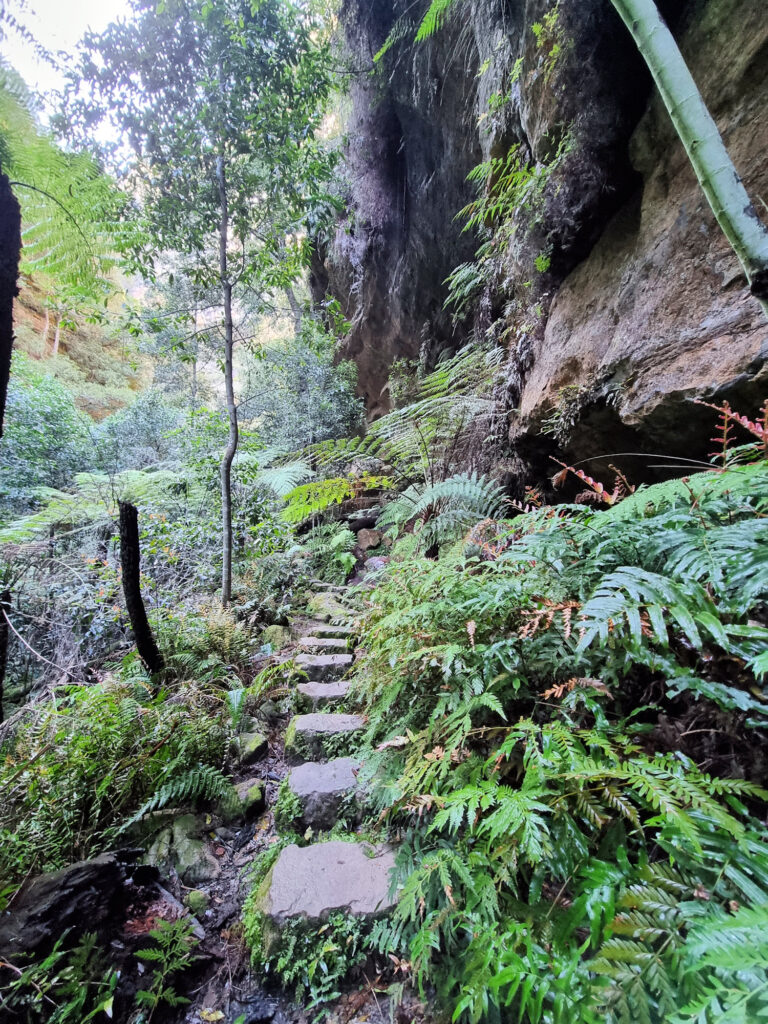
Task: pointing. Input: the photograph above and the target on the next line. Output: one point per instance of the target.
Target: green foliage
(308, 500)
(68, 205)
(449, 427)
(251, 97)
(565, 858)
(46, 440)
(446, 509)
(509, 189)
(433, 19)
(172, 954)
(77, 770)
(297, 391)
(314, 962)
(288, 809)
(207, 644)
(331, 548)
(68, 986)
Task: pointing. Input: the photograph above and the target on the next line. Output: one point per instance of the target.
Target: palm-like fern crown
(68, 205)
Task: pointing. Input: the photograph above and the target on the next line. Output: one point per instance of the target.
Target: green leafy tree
(220, 100)
(47, 439)
(297, 395)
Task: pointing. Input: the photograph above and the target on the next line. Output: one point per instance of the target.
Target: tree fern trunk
(130, 564)
(10, 250)
(703, 144)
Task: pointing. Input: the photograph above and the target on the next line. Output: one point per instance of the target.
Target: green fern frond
(203, 782)
(434, 18)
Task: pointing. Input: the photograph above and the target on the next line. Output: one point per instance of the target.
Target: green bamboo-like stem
(698, 132)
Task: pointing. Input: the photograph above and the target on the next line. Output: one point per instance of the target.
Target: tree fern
(285, 478)
(447, 508)
(68, 205)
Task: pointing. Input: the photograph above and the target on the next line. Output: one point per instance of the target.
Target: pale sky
(58, 25)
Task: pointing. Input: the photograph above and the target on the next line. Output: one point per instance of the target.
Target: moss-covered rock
(325, 607)
(252, 796)
(251, 746)
(197, 901)
(277, 637)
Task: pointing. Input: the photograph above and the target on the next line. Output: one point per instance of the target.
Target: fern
(203, 782)
(434, 18)
(446, 509)
(282, 480)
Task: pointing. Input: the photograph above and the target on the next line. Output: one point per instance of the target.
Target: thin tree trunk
(130, 564)
(5, 607)
(698, 132)
(46, 327)
(229, 343)
(10, 250)
(295, 309)
(56, 336)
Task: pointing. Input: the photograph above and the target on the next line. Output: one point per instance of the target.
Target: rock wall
(642, 303)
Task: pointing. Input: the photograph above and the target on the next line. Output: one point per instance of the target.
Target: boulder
(368, 539)
(277, 637)
(252, 746)
(314, 737)
(310, 883)
(181, 847)
(83, 897)
(314, 696)
(324, 666)
(376, 563)
(190, 855)
(321, 789)
(252, 798)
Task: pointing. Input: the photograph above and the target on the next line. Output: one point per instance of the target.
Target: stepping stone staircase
(324, 666)
(308, 883)
(321, 789)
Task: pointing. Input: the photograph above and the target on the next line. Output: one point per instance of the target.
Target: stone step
(313, 696)
(326, 644)
(321, 790)
(320, 667)
(326, 630)
(327, 607)
(327, 588)
(316, 737)
(309, 883)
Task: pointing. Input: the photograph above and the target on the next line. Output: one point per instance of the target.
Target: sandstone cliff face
(642, 304)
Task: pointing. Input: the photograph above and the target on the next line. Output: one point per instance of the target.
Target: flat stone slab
(320, 695)
(327, 629)
(321, 789)
(314, 737)
(324, 666)
(313, 882)
(326, 607)
(324, 644)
